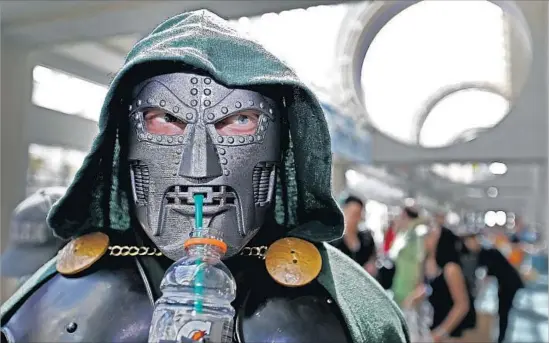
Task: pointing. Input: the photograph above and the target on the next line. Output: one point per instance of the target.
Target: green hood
(100, 195)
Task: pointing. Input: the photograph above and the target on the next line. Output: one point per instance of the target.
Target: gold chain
(118, 250)
(258, 252)
(125, 250)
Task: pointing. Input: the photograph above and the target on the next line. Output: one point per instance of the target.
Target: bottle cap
(206, 236)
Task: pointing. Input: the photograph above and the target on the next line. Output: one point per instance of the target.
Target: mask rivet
(270, 110)
(189, 116)
(130, 108)
(141, 136)
(221, 151)
(178, 151)
(207, 91)
(194, 91)
(149, 101)
(258, 137)
(170, 139)
(159, 138)
(194, 102)
(224, 110)
(250, 103)
(261, 105)
(230, 140)
(207, 80)
(241, 139)
(226, 172)
(176, 161)
(174, 173)
(194, 80)
(162, 103)
(139, 126)
(137, 116)
(211, 116)
(263, 127)
(180, 139)
(175, 109)
(251, 138)
(220, 139)
(207, 102)
(223, 160)
(149, 136)
(238, 104)
(138, 103)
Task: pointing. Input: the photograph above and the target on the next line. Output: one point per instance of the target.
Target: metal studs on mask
(138, 121)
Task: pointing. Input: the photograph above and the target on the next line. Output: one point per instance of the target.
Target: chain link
(125, 250)
(258, 252)
(118, 250)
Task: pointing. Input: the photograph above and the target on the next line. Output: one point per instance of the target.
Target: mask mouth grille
(213, 195)
(140, 180)
(263, 182)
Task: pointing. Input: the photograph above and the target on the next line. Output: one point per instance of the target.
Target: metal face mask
(189, 134)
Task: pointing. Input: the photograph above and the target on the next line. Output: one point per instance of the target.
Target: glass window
(52, 166)
(62, 92)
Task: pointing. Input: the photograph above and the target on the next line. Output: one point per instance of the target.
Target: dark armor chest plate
(105, 306)
(277, 314)
(113, 305)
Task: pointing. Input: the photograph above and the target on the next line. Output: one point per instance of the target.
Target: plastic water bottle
(197, 292)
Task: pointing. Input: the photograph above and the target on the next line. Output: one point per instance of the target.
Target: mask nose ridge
(199, 158)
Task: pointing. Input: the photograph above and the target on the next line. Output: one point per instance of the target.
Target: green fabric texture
(370, 315)
(100, 196)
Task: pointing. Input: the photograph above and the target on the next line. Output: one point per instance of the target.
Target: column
(16, 88)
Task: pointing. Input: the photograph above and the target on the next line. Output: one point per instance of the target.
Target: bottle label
(216, 331)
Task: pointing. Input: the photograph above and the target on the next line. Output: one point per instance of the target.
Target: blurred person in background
(389, 237)
(386, 267)
(496, 265)
(407, 252)
(31, 241)
(446, 287)
(440, 220)
(355, 243)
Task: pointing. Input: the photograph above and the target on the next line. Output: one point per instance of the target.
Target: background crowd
(435, 273)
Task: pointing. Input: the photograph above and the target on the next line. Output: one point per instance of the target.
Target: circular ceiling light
(492, 192)
(490, 218)
(498, 168)
(417, 83)
(460, 115)
(501, 218)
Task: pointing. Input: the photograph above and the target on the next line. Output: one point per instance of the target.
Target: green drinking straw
(199, 281)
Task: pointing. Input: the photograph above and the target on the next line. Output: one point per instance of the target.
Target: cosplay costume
(199, 109)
